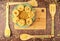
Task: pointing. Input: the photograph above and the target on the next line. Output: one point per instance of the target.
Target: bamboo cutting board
(40, 21)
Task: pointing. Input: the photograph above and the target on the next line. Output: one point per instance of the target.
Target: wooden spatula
(52, 9)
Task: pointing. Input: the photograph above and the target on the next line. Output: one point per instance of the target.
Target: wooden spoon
(7, 29)
(52, 9)
(27, 36)
(33, 2)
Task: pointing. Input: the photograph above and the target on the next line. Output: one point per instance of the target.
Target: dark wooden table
(16, 33)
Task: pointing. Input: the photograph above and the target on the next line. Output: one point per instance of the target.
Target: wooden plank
(40, 21)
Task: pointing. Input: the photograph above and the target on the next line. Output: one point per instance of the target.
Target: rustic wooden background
(16, 33)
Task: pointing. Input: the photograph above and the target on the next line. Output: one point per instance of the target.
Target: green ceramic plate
(32, 9)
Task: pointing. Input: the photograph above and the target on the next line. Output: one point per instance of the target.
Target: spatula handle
(52, 30)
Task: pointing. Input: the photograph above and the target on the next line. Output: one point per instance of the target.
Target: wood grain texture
(32, 32)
